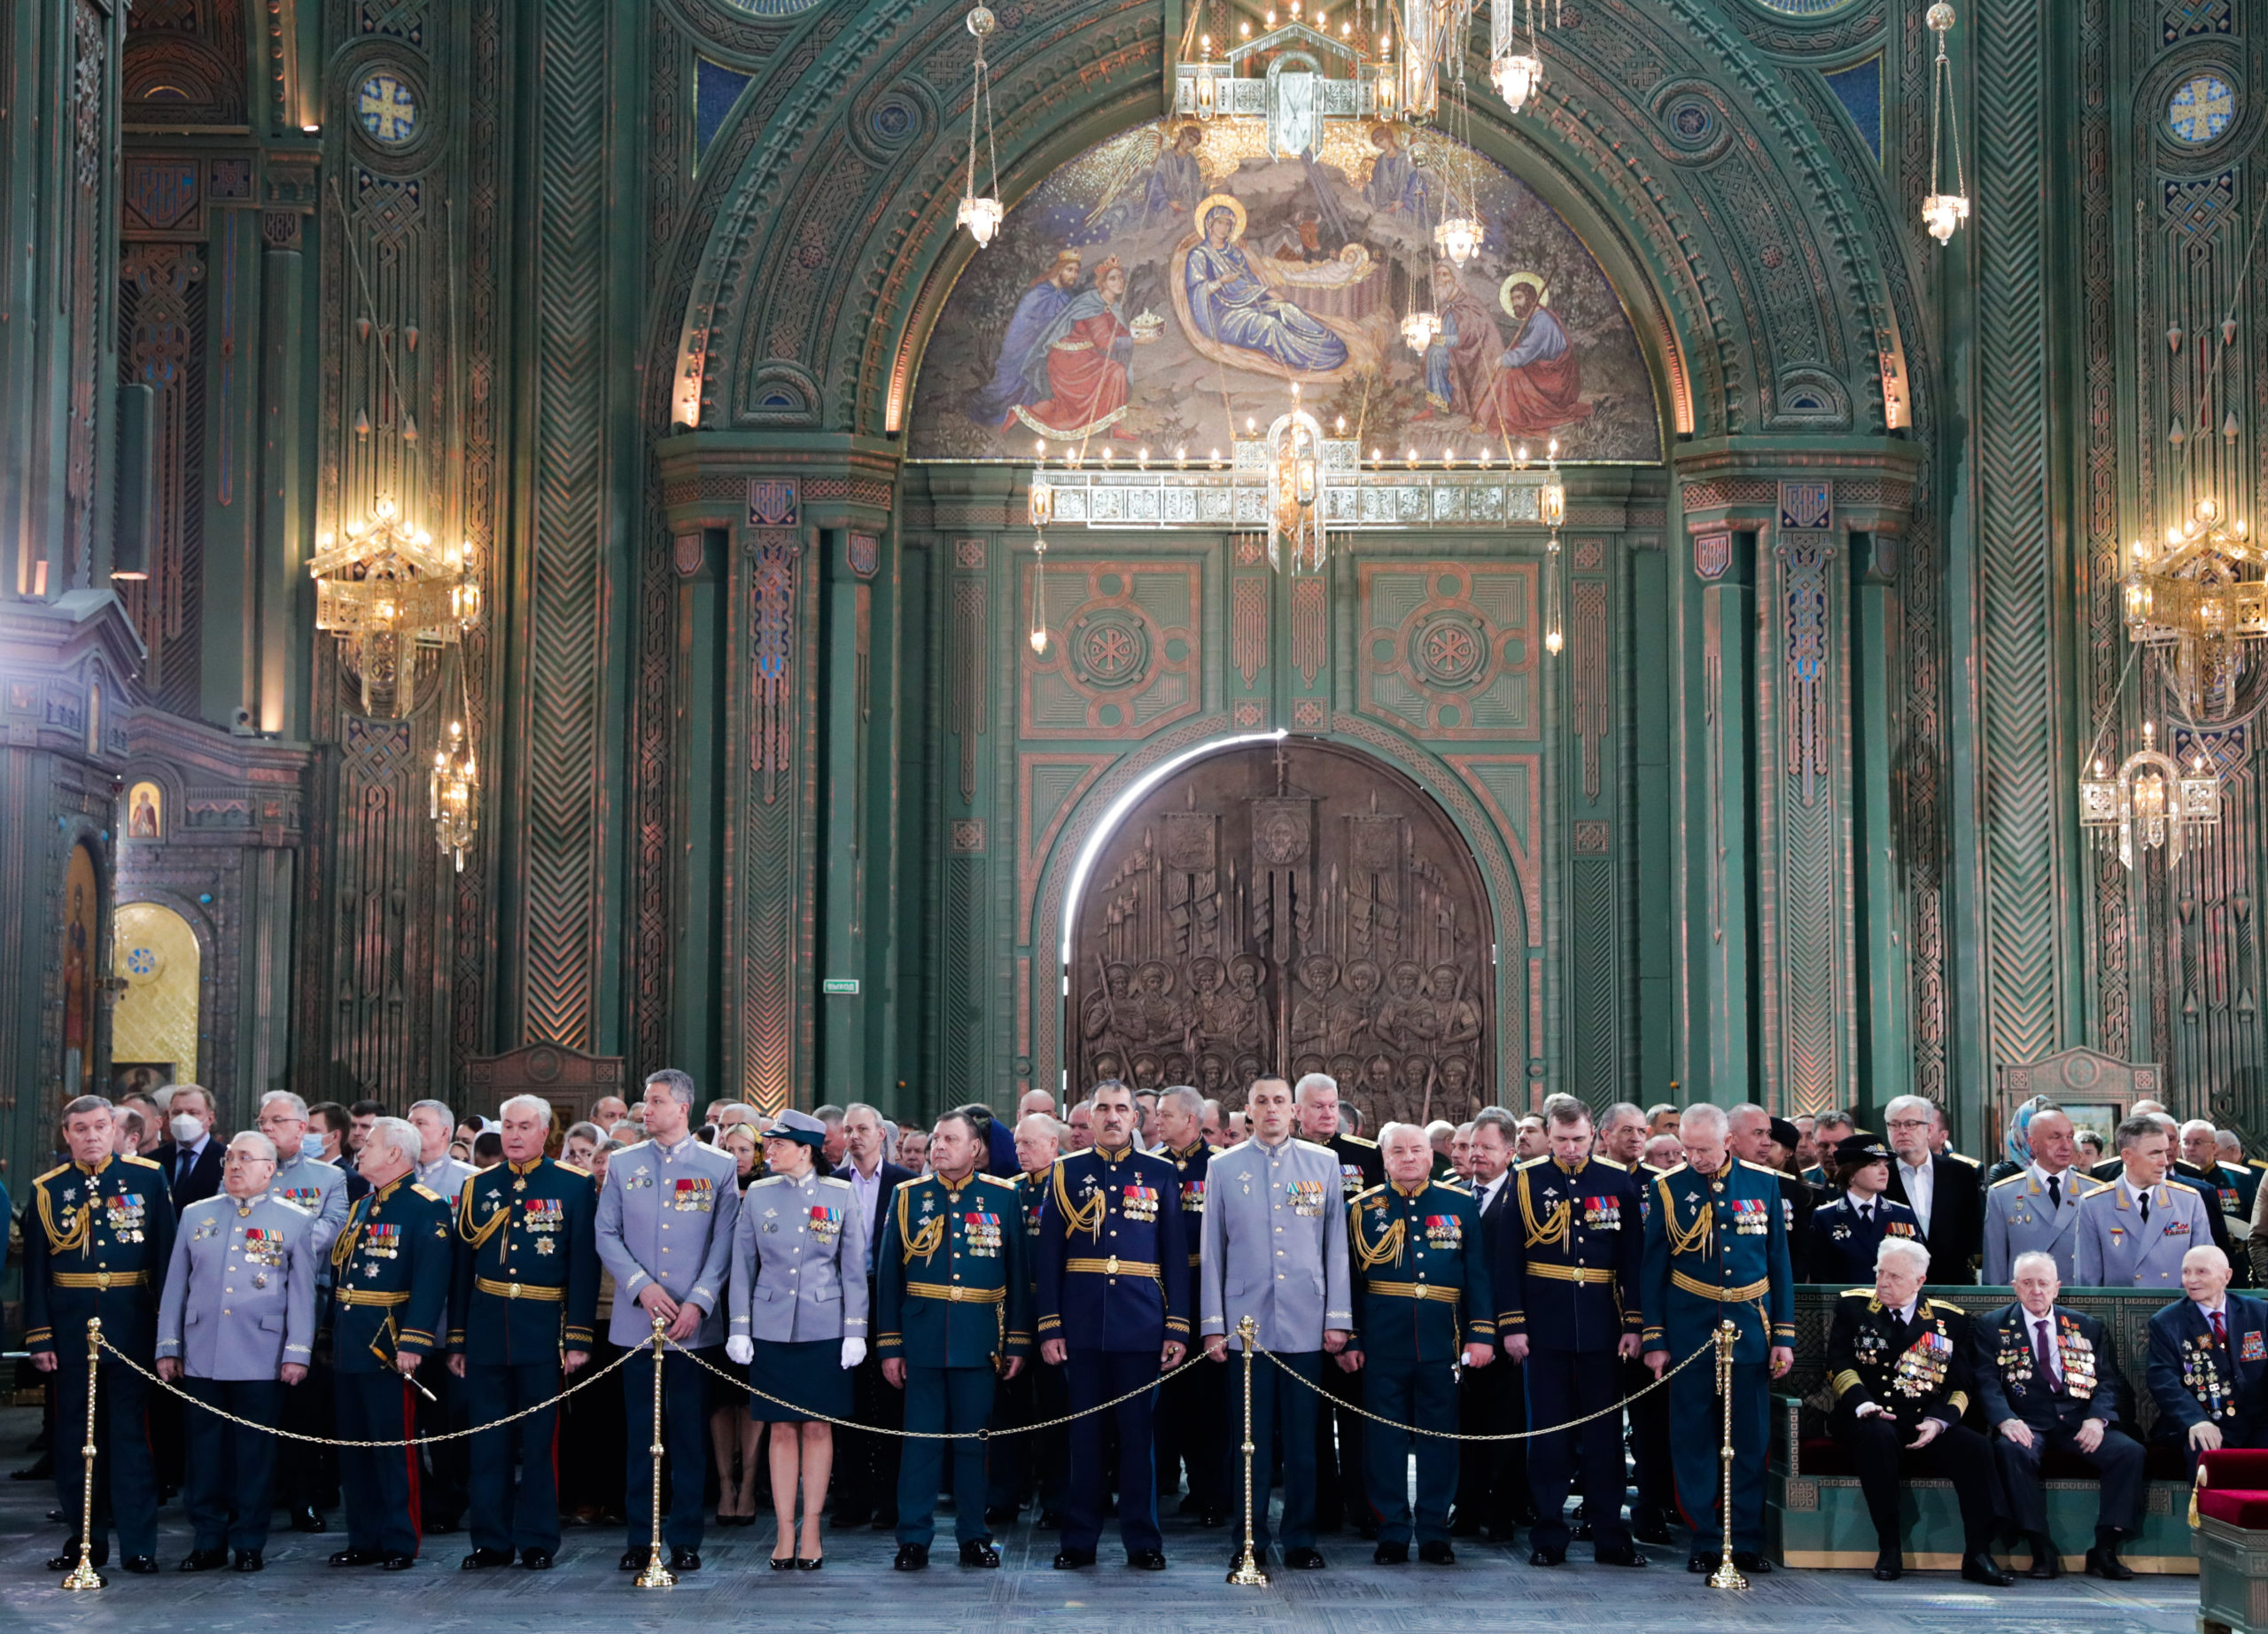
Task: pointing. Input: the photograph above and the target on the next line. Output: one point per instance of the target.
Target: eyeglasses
(1909, 1122)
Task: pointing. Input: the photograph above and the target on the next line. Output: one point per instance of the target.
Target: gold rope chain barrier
(414, 1441)
(1668, 1373)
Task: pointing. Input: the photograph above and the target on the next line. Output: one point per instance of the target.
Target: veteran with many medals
(2209, 1361)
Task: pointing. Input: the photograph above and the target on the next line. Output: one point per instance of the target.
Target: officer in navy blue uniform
(1569, 1250)
(1190, 1421)
(390, 1274)
(1029, 1463)
(1717, 1250)
(98, 1233)
(1422, 1306)
(1846, 1233)
(2208, 1362)
(521, 1314)
(1113, 1310)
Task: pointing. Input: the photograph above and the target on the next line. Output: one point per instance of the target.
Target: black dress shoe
(68, 1560)
(684, 1560)
(1978, 1567)
(1611, 1556)
(1754, 1564)
(396, 1562)
(1541, 1556)
(634, 1559)
(204, 1559)
(358, 1557)
(479, 1560)
(308, 1518)
(140, 1565)
(250, 1560)
(1147, 1560)
(2047, 1560)
(2104, 1562)
(1071, 1560)
(911, 1558)
(1391, 1554)
(1437, 1553)
(1888, 1565)
(1651, 1530)
(980, 1554)
(1303, 1560)
(536, 1559)
(810, 1565)
(846, 1519)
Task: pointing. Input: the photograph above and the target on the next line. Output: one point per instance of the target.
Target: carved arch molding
(1287, 908)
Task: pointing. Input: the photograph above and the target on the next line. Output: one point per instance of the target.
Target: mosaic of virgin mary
(1228, 304)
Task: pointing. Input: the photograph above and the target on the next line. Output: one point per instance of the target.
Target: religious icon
(144, 804)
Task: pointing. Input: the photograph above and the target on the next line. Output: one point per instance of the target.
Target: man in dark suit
(1492, 1475)
(866, 1470)
(2049, 1378)
(2209, 1361)
(1749, 1127)
(190, 1157)
(1946, 1194)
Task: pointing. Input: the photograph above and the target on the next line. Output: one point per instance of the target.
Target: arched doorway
(1287, 908)
(153, 1032)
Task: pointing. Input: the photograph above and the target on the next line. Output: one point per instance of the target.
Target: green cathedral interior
(521, 562)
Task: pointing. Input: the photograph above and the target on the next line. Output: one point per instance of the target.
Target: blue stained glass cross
(2201, 109)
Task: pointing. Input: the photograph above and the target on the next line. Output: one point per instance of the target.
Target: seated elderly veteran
(237, 1326)
(1899, 1367)
(2048, 1377)
(2209, 1361)
(1846, 1232)
(798, 1305)
(1422, 1304)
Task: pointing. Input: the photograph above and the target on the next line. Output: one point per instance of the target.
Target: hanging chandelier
(454, 788)
(982, 213)
(1943, 211)
(2151, 801)
(1296, 539)
(1515, 51)
(1041, 506)
(2201, 598)
(384, 591)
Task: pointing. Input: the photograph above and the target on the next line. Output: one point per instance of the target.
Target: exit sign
(840, 985)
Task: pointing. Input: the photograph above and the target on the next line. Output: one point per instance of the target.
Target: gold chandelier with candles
(2152, 800)
(384, 589)
(2200, 597)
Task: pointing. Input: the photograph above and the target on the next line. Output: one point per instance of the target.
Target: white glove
(740, 1348)
(854, 1352)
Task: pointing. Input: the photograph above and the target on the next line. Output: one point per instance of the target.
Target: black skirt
(810, 1373)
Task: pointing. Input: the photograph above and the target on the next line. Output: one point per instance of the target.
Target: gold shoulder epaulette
(427, 1191)
(1451, 1186)
(51, 1174)
(1943, 1304)
(1358, 1140)
(2009, 1180)
(1857, 1292)
(144, 1163)
(1963, 1157)
(1611, 1164)
(1530, 1164)
(1368, 1191)
(576, 1169)
(1676, 1168)
(1760, 1168)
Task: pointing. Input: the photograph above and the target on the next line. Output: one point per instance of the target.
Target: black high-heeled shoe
(785, 1562)
(811, 1565)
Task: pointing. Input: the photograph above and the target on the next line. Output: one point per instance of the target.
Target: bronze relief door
(1287, 908)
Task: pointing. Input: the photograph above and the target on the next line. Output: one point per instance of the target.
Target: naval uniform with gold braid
(390, 1272)
(97, 1242)
(526, 1289)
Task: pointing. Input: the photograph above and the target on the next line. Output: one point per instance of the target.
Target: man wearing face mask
(190, 1156)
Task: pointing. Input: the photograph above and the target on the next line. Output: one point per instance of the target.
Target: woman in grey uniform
(798, 1321)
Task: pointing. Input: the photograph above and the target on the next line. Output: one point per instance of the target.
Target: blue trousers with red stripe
(497, 1519)
(379, 1483)
(1697, 1410)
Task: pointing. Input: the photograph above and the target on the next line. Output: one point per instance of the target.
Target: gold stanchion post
(1248, 1574)
(656, 1575)
(84, 1576)
(1726, 1575)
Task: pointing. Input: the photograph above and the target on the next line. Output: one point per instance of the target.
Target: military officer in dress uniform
(308, 1479)
(1716, 1250)
(1031, 1463)
(236, 1328)
(1274, 1248)
(2209, 1361)
(1900, 1367)
(390, 1278)
(98, 1233)
(1753, 1138)
(953, 1315)
(1846, 1232)
(2049, 1378)
(1422, 1306)
(1569, 1250)
(2037, 1208)
(1342, 1478)
(1191, 1419)
(666, 1220)
(521, 1312)
(2133, 1232)
(1113, 1312)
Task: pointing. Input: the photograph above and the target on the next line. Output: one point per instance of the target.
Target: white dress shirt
(1921, 1189)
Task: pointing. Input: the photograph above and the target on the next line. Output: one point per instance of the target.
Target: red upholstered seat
(2234, 1466)
(2244, 1507)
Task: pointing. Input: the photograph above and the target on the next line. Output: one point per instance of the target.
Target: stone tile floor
(301, 1594)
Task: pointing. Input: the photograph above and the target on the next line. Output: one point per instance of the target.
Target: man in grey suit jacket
(2133, 1232)
(236, 1328)
(1274, 1246)
(665, 1226)
(2036, 1209)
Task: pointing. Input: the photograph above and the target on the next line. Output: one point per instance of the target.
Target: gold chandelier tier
(2201, 598)
(383, 589)
(2152, 801)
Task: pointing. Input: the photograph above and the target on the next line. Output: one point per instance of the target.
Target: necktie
(2055, 1190)
(2044, 1352)
(2220, 1330)
(184, 1160)
(2146, 1208)
(1866, 1213)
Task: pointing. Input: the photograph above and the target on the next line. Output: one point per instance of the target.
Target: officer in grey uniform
(236, 1328)
(1273, 1247)
(2036, 1209)
(2133, 1232)
(665, 1227)
(308, 1480)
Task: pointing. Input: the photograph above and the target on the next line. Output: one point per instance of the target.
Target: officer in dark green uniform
(1422, 1304)
(955, 1313)
(389, 1275)
(98, 1233)
(526, 1286)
